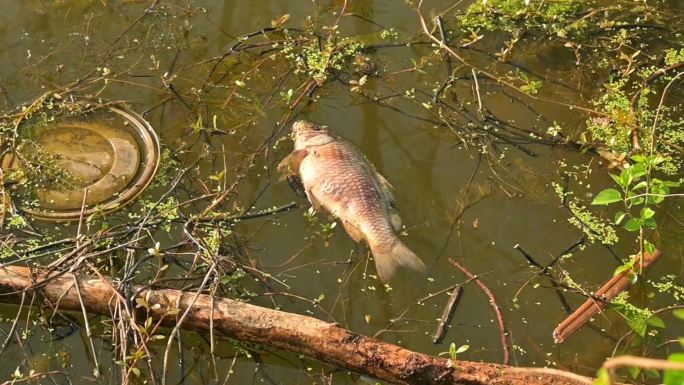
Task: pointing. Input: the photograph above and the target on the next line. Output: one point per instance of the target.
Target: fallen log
(599, 300)
(321, 340)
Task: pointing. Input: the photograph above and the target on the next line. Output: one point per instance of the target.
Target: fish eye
(316, 128)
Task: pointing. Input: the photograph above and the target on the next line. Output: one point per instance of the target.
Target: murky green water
(47, 43)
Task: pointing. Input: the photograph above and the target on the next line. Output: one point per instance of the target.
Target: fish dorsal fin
(387, 191)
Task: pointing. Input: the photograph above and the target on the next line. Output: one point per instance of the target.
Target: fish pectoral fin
(312, 199)
(387, 191)
(296, 184)
(386, 188)
(395, 219)
(290, 164)
(353, 231)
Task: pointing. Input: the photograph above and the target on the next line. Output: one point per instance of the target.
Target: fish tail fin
(398, 256)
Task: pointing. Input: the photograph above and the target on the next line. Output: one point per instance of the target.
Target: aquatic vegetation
(517, 16)
(316, 57)
(478, 117)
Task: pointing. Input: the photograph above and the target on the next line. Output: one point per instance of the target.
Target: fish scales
(337, 177)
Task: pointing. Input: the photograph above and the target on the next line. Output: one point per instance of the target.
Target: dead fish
(337, 177)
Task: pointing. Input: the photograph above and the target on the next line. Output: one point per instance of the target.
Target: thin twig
(89, 333)
(557, 289)
(505, 344)
(236, 217)
(14, 324)
(176, 328)
(477, 92)
(80, 218)
(500, 80)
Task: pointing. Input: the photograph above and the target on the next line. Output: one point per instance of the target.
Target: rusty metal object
(113, 161)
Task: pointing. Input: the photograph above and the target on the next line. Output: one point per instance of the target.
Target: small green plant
(594, 228)
(614, 128)
(530, 86)
(323, 230)
(638, 319)
(168, 167)
(672, 377)
(454, 352)
(511, 16)
(167, 211)
(319, 59)
(638, 191)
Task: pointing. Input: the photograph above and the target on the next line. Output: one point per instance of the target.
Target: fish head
(308, 134)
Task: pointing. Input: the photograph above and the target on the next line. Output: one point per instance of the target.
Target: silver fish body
(337, 177)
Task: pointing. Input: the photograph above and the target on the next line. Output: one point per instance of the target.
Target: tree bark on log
(321, 340)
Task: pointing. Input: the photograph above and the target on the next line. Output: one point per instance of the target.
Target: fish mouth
(302, 126)
(308, 134)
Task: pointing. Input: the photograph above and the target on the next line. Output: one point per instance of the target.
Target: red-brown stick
(592, 305)
(505, 345)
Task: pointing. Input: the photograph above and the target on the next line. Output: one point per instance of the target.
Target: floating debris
(95, 161)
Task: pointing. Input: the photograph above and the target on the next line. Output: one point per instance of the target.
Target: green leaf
(452, 351)
(632, 199)
(622, 268)
(619, 216)
(639, 158)
(632, 224)
(656, 322)
(636, 171)
(650, 247)
(462, 349)
(640, 185)
(602, 378)
(619, 180)
(633, 277)
(674, 377)
(634, 372)
(647, 212)
(652, 373)
(638, 325)
(625, 178)
(650, 223)
(679, 313)
(657, 159)
(655, 199)
(607, 196)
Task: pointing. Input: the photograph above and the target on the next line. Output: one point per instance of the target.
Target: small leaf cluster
(319, 59)
(454, 352)
(613, 130)
(511, 15)
(637, 188)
